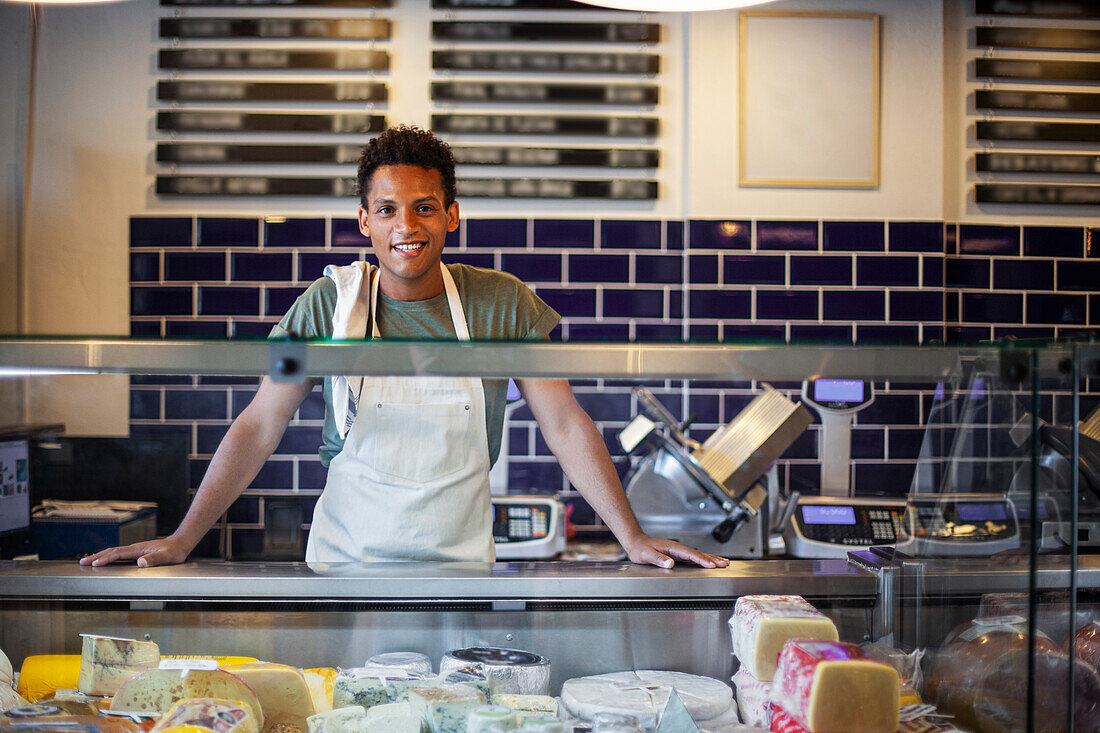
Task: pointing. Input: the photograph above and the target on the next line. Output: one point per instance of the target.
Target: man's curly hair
(407, 145)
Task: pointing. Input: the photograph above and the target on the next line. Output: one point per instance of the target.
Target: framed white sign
(809, 99)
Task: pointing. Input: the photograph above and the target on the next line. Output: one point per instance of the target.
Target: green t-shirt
(499, 307)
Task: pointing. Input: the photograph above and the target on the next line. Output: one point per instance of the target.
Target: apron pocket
(417, 443)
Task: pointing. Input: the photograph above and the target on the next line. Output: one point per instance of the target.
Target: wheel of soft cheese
(643, 694)
(518, 672)
(411, 661)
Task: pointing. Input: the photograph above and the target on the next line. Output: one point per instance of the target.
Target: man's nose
(406, 220)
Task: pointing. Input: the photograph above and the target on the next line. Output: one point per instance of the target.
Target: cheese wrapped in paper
(832, 687)
(211, 715)
(644, 694)
(444, 707)
(370, 686)
(408, 661)
(107, 661)
(347, 719)
(282, 690)
(156, 690)
(753, 698)
(515, 671)
(762, 624)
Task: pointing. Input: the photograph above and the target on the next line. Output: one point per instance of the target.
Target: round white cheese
(411, 661)
(516, 672)
(644, 693)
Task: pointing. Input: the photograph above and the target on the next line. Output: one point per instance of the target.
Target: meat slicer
(707, 495)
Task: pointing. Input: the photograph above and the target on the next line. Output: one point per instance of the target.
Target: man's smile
(410, 247)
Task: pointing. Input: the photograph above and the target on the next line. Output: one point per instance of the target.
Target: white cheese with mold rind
(389, 708)
(409, 661)
(486, 718)
(444, 707)
(516, 671)
(643, 694)
(370, 686)
(762, 624)
(106, 662)
(392, 724)
(341, 720)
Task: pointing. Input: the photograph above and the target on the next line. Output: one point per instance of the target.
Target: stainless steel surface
(788, 363)
(441, 583)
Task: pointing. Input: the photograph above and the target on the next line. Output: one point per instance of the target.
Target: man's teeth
(409, 247)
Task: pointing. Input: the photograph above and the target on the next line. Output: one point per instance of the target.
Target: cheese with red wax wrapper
(832, 687)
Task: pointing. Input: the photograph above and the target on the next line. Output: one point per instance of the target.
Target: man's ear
(452, 217)
(364, 224)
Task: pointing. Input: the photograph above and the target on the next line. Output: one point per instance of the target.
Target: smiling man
(408, 457)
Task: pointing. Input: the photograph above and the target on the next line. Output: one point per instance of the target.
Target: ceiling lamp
(673, 6)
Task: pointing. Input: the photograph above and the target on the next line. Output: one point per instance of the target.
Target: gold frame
(876, 112)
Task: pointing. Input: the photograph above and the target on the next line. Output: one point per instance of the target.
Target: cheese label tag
(188, 664)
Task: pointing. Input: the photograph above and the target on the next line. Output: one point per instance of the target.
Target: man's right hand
(163, 551)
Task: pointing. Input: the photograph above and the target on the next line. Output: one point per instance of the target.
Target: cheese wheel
(762, 624)
(1086, 644)
(211, 715)
(753, 698)
(643, 694)
(283, 692)
(156, 690)
(832, 687)
(962, 662)
(486, 718)
(543, 724)
(517, 672)
(1001, 696)
(723, 723)
(107, 661)
(410, 661)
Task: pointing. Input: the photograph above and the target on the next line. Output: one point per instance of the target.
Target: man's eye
(384, 210)
(426, 209)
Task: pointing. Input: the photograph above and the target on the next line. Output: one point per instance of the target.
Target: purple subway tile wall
(700, 281)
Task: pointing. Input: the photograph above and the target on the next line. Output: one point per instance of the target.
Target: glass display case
(958, 535)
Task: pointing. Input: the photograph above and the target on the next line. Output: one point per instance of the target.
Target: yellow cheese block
(284, 695)
(321, 681)
(42, 674)
(107, 661)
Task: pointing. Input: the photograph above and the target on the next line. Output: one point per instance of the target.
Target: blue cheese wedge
(370, 686)
(107, 661)
(393, 724)
(445, 707)
(342, 720)
(527, 705)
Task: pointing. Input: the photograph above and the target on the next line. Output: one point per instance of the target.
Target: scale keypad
(873, 525)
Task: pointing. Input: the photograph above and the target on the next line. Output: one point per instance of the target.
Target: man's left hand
(664, 553)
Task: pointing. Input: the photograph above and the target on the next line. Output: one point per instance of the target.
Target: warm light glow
(673, 6)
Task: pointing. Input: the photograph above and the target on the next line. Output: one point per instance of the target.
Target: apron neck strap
(454, 304)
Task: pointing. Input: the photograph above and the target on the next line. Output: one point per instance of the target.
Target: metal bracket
(287, 361)
(509, 605)
(146, 605)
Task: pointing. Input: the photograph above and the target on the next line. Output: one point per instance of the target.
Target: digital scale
(828, 527)
(528, 527)
(944, 525)
(836, 401)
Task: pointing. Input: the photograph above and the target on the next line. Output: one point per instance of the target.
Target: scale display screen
(828, 514)
(838, 390)
(981, 512)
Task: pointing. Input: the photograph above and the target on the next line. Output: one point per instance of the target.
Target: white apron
(412, 481)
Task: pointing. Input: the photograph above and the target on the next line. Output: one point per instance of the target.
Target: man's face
(407, 222)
